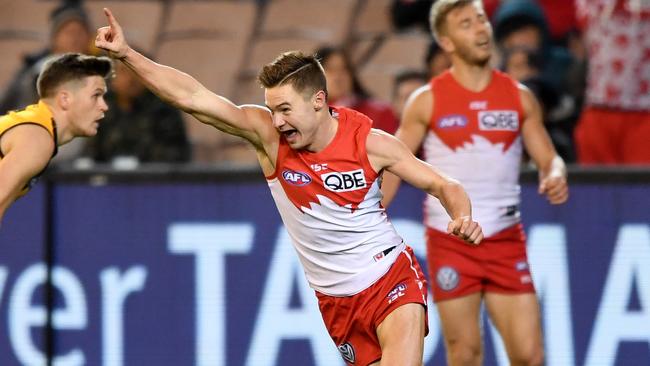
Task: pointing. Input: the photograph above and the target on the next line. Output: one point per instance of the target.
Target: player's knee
(463, 353)
(533, 356)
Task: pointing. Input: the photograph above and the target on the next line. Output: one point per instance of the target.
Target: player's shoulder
(422, 91)
(526, 96)
(35, 113)
(260, 119)
(255, 111)
(384, 149)
(421, 96)
(419, 105)
(380, 142)
(29, 140)
(36, 118)
(29, 134)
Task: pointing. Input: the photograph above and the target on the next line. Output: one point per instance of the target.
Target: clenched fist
(466, 229)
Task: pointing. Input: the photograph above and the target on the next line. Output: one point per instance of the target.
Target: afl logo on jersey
(498, 121)
(296, 178)
(452, 121)
(344, 181)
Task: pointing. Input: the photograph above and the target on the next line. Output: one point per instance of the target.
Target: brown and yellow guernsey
(37, 114)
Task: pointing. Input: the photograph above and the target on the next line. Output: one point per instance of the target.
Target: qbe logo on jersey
(498, 120)
(344, 181)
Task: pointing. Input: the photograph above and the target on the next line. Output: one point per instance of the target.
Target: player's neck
(472, 77)
(63, 133)
(328, 126)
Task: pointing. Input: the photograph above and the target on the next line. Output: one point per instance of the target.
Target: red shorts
(352, 321)
(605, 136)
(498, 264)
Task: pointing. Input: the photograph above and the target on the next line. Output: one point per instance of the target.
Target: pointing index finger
(111, 19)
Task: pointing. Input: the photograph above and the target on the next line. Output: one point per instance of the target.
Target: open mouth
(289, 133)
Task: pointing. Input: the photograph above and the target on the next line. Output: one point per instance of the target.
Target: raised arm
(552, 170)
(411, 132)
(387, 152)
(27, 150)
(184, 92)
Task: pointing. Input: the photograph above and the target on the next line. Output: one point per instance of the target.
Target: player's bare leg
(401, 336)
(459, 319)
(517, 318)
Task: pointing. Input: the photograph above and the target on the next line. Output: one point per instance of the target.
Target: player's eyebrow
(278, 106)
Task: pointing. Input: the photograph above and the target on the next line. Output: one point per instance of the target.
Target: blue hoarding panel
(22, 313)
(198, 274)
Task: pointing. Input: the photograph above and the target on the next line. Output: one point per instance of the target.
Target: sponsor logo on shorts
(447, 278)
(521, 266)
(296, 178)
(498, 121)
(347, 352)
(344, 181)
(526, 279)
(452, 121)
(397, 292)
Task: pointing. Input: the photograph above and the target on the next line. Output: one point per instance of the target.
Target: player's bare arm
(387, 152)
(27, 150)
(412, 130)
(184, 92)
(552, 170)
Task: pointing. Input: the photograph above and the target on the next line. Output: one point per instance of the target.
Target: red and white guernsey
(330, 204)
(475, 137)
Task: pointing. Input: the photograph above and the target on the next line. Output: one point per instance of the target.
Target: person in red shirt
(614, 127)
(323, 166)
(345, 89)
(472, 122)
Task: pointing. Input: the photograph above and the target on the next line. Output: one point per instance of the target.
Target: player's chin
(483, 60)
(297, 144)
(90, 132)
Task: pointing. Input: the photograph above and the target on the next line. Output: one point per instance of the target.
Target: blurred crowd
(588, 62)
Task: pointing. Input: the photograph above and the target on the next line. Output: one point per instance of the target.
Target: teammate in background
(471, 121)
(323, 166)
(71, 89)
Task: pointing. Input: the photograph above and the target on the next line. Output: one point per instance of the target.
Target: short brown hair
(302, 71)
(439, 11)
(68, 67)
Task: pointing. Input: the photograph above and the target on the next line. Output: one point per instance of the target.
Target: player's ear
(446, 44)
(319, 100)
(64, 99)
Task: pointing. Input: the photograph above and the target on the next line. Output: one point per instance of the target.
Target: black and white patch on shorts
(347, 351)
(447, 278)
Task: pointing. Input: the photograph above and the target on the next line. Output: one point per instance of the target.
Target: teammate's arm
(412, 129)
(387, 152)
(552, 170)
(27, 150)
(183, 91)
